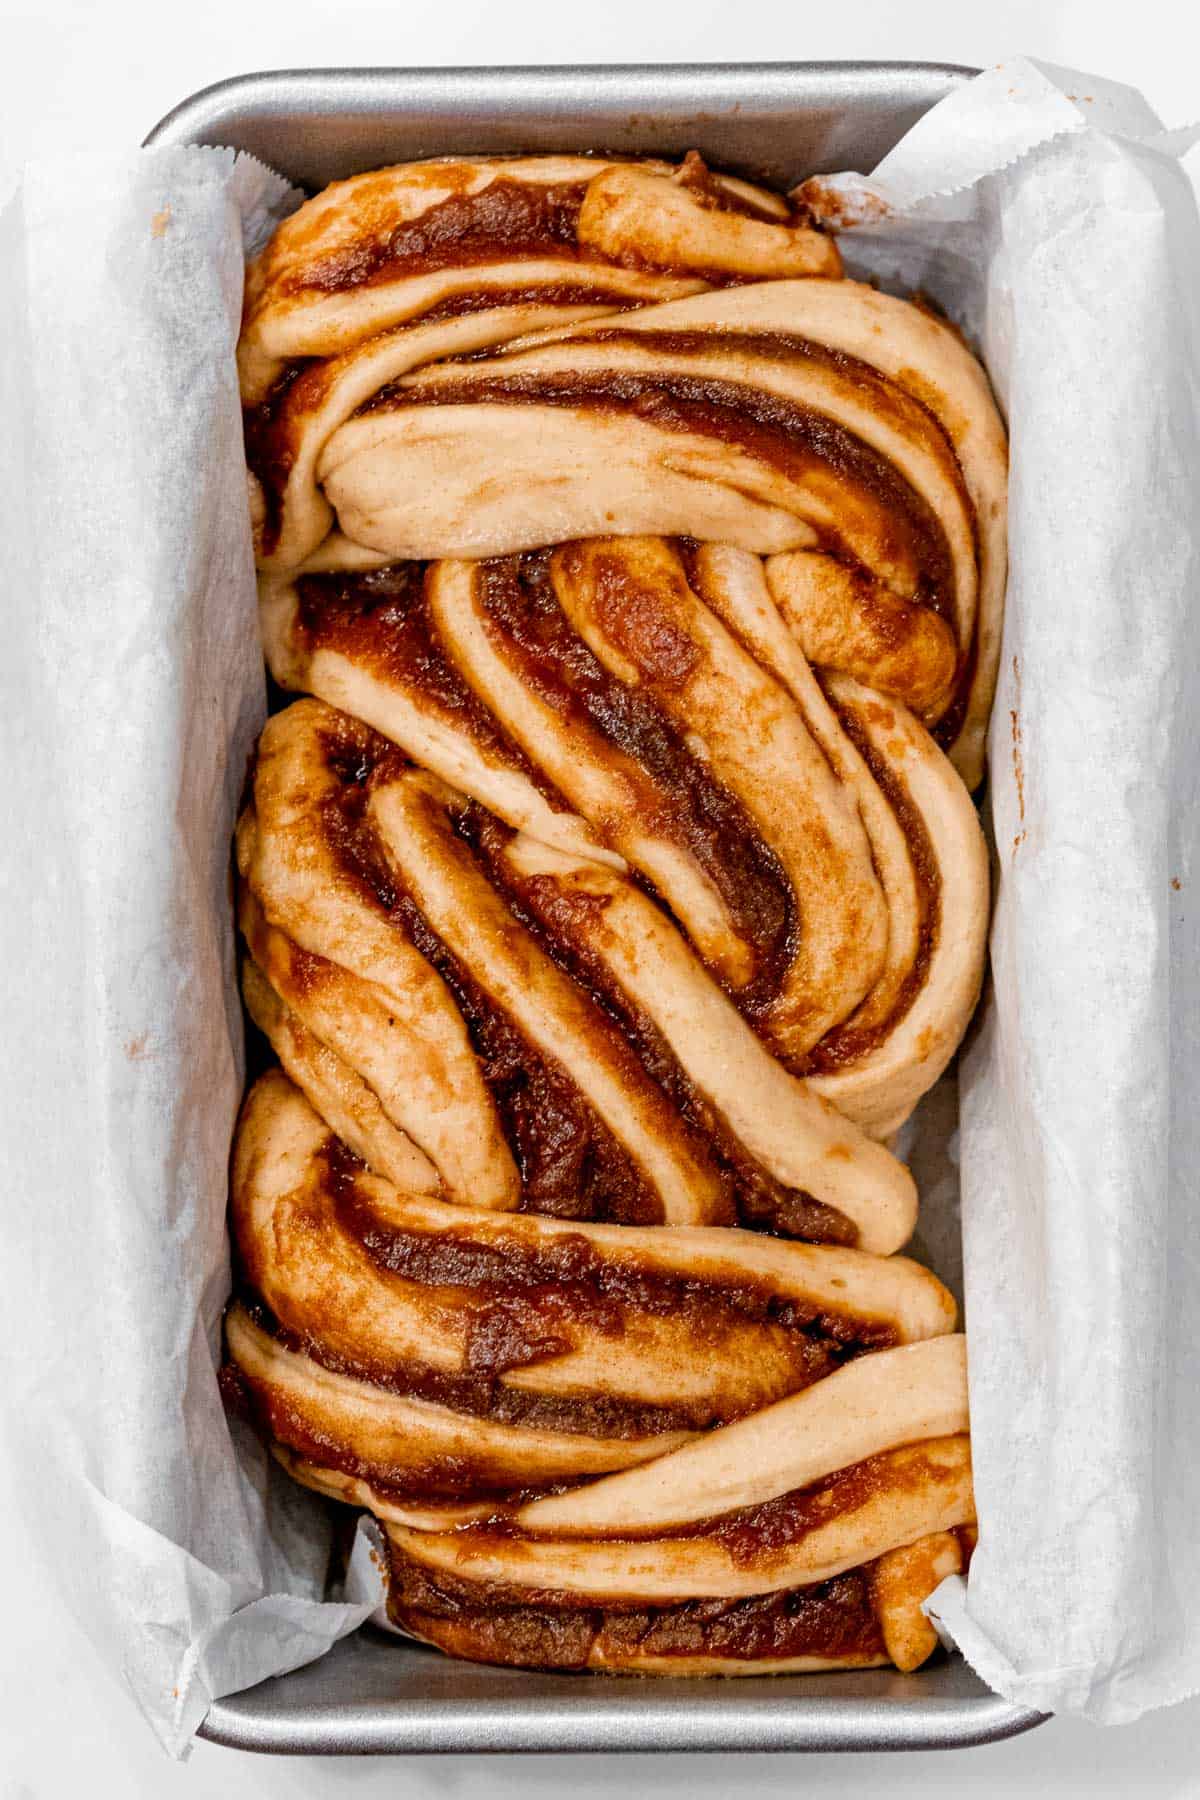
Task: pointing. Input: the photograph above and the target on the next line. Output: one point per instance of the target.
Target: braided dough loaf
(611, 896)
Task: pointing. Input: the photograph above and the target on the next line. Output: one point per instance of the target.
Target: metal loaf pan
(778, 122)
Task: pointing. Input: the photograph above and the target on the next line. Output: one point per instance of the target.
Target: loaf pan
(775, 122)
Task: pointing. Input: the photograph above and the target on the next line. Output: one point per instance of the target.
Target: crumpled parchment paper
(1050, 214)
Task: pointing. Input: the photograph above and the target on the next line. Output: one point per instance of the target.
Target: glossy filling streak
(753, 1531)
(567, 1278)
(379, 619)
(527, 1305)
(832, 1619)
(839, 448)
(269, 434)
(570, 1163)
(748, 1536)
(456, 1476)
(690, 807)
(510, 1340)
(505, 219)
(548, 913)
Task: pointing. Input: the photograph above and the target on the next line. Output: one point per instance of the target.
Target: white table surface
(85, 72)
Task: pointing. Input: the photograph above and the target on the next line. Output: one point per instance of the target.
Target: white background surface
(82, 73)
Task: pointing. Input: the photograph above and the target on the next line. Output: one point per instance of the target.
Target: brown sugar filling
(570, 1163)
(525, 1303)
(832, 1619)
(797, 439)
(508, 218)
(379, 619)
(761, 1201)
(690, 806)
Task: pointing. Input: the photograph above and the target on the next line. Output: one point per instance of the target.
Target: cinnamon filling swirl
(506, 218)
(832, 1623)
(689, 805)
